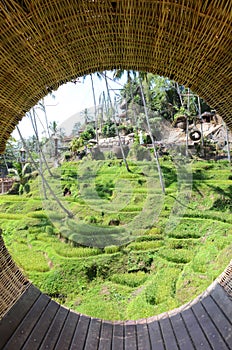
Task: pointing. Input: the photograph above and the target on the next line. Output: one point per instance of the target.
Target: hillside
(127, 271)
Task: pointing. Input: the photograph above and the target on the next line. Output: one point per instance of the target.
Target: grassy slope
(156, 272)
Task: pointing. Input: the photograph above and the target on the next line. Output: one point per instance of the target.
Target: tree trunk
(34, 125)
(116, 127)
(187, 125)
(227, 143)
(95, 108)
(66, 211)
(151, 136)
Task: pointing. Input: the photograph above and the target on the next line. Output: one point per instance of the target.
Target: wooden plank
(130, 336)
(223, 300)
(198, 337)
(155, 336)
(12, 319)
(143, 338)
(183, 339)
(168, 334)
(26, 326)
(208, 327)
(118, 336)
(53, 332)
(93, 334)
(79, 338)
(67, 332)
(106, 336)
(40, 329)
(219, 319)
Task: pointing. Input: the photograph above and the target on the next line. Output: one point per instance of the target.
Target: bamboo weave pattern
(45, 43)
(12, 281)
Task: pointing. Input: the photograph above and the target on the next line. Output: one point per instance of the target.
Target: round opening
(125, 216)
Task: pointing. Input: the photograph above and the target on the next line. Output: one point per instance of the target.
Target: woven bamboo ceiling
(45, 43)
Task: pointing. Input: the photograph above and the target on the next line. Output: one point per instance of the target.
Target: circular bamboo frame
(45, 43)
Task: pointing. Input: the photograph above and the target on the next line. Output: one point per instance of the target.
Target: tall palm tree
(42, 107)
(98, 74)
(131, 77)
(95, 107)
(114, 119)
(21, 175)
(150, 134)
(65, 210)
(32, 117)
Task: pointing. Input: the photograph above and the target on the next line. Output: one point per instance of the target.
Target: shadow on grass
(225, 201)
(170, 175)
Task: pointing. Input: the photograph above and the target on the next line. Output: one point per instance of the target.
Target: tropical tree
(22, 173)
(32, 115)
(45, 182)
(115, 123)
(151, 137)
(95, 107)
(76, 128)
(76, 144)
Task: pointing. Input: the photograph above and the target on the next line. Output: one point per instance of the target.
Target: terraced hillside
(127, 271)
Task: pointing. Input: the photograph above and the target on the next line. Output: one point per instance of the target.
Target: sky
(69, 99)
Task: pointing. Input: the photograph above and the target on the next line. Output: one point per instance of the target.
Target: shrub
(139, 153)
(79, 252)
(109, 129)
(152, 245)
(111, 249)
(130, 279)
(147, 238)
(163, 286)
(92, 219)
(179, 256)
(105, 190)
(37, 215)
(154, 231)
(181, 243)
(49, 230)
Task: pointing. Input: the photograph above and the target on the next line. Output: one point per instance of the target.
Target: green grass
(131, 277)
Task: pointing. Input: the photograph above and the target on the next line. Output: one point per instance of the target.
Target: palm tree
(129, 95)
(66, 211)
(151, 135)
(32, 117)
(94, 100)
(227, 142)
(143, 76)
(116, 127)
(95, 107)
(41, 106)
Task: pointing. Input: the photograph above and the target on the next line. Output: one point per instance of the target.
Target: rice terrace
(115, 175)
(96, 269)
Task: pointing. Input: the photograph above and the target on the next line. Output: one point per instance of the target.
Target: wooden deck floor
(37, 322)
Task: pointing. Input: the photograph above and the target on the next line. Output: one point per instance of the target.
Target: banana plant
(22, 173)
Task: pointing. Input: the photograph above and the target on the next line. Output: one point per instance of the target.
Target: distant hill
(69, 123)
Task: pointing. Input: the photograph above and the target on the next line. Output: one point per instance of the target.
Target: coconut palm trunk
(115, 123)
(95, 108)
(35, 128)
(187, 123)
(227, 143)
(151, 136)
(66, 211)
(199, 112)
